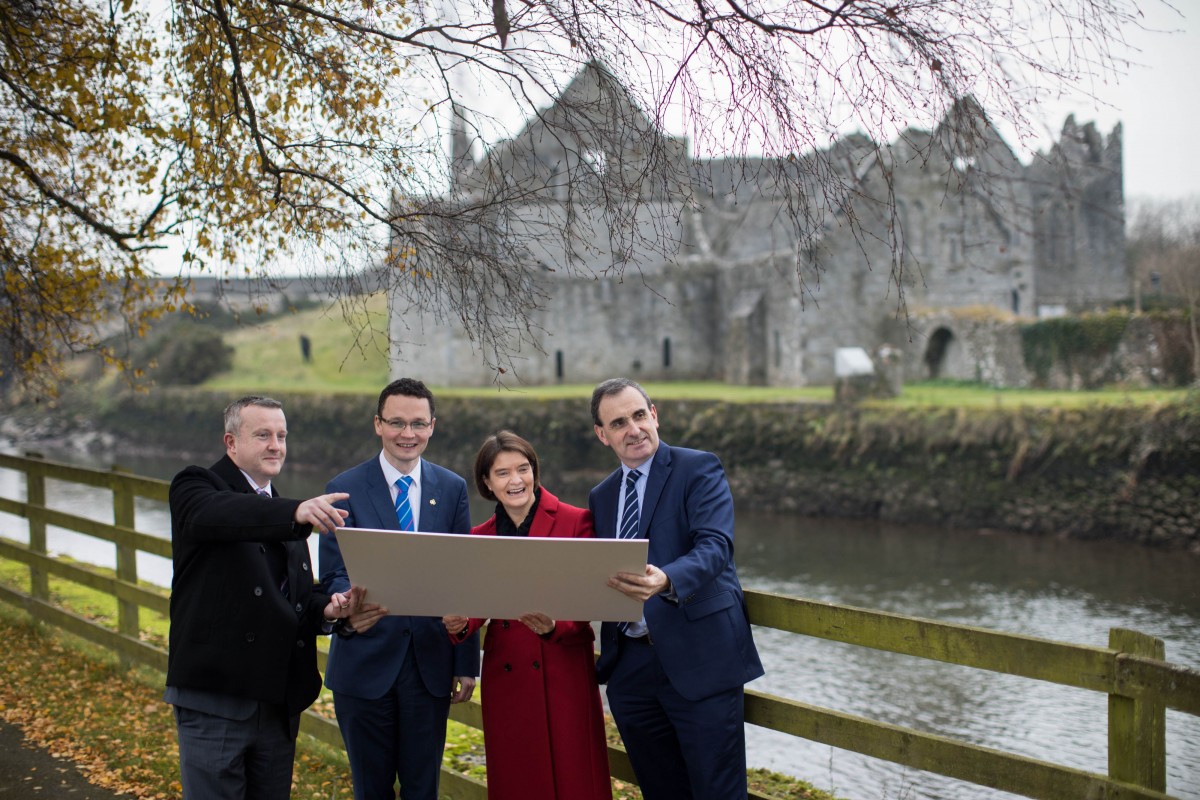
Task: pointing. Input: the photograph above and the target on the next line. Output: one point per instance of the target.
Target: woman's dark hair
(500, 442)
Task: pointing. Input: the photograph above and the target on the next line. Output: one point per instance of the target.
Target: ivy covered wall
(1089, 351)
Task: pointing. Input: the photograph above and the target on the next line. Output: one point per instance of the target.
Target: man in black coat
(246, 611)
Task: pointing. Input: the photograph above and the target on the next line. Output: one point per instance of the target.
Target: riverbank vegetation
(1127, 468)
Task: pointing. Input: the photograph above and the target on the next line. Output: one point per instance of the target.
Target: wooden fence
(1140, 685)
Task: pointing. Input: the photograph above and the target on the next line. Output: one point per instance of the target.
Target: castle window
(667, 352)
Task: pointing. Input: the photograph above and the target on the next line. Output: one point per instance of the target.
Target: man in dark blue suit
(393, 684)
(675, 678)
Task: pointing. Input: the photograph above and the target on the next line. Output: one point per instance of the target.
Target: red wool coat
(543, 725)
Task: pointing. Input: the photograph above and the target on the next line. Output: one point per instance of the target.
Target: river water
(1067, 590)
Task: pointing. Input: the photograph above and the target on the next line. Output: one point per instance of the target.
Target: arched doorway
(935, 351)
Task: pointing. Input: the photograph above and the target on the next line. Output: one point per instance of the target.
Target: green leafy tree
(249, 134)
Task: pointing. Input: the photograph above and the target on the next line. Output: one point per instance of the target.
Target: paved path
(27, 771)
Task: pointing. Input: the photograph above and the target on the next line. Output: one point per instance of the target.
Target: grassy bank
(1123, 469)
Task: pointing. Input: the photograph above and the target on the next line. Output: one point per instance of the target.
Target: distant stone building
(736, 293)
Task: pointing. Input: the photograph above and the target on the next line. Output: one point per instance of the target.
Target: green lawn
(349, 351)
(350, 354)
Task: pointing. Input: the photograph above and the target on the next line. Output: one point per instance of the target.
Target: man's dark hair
(408, 387)
(608, 389)
(233, 411)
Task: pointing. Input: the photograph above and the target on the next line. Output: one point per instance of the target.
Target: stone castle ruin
(705, 274)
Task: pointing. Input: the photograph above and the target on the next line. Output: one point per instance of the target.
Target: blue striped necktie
(629, 517)
(403, 509)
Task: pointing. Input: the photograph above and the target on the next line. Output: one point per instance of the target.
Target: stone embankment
(1127, 472)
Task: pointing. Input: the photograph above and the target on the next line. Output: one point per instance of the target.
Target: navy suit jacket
(366, 664)
(702, 637)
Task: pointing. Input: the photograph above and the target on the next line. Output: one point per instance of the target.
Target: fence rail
(1140, 685)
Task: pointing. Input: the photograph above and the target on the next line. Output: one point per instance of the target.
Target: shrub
(190, 354)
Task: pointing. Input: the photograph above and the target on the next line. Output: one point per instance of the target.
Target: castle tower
(462, 159)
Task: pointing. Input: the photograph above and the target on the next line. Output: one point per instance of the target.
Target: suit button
(258, 591)
(299, 643)
(304, 567)
(250, 637)
(262, 548)
(408, 633)
(508, 667)
(299, 607)
(504, 624)
(536, 665)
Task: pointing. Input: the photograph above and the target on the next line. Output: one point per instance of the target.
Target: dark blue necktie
(403, 509)
(629, 517)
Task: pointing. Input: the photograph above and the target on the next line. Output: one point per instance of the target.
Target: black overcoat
(234, 630)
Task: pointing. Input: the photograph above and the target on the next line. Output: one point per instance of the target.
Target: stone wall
(980, 345)
(1129, 473)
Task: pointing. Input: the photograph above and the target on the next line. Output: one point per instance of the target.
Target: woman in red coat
(543, 726)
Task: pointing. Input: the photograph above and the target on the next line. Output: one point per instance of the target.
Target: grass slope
(349, 351)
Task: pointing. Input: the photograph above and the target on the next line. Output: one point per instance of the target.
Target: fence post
(1137, 729)
(35, 499)
(128, 621)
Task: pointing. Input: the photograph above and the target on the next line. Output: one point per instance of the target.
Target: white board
(493, 577)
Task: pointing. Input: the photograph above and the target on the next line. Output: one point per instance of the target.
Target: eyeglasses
(417, 426)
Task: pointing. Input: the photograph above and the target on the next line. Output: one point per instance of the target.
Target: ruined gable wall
(966, 228)
(716, 294)
(1079, 215)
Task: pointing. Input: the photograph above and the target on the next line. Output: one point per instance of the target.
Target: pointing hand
(321, 514)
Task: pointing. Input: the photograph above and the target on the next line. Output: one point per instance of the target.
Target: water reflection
(1058, 589)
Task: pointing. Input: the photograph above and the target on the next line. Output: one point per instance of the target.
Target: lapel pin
(433, 501)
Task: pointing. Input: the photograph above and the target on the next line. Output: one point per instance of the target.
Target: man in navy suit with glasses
(393, 684)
